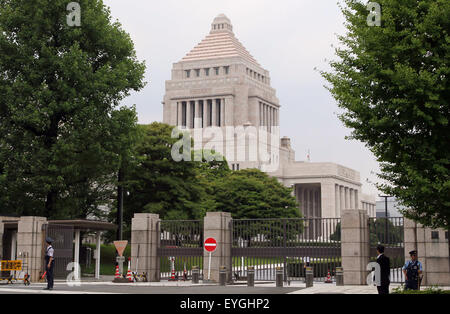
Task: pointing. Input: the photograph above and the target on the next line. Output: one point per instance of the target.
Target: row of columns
(211, 112)
(370, 208)
(310, 201)
(346, 198)
(268, 116)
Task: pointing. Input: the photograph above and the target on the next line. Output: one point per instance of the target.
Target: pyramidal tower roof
(220, 43)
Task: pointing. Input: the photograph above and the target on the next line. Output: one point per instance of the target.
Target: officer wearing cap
(412, 270)
(49, 263)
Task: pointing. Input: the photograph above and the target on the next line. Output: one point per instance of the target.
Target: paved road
(107, 288)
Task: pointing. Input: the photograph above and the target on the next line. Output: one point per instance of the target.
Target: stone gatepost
(31, 240)
(218, 226)
(355, 246)
(145, 241)
(433, 252)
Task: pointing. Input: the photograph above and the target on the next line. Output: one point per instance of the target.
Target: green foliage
(252, 194)
(155, 183)
(62, 135)
(392, 84)
(430, 290)
(379, 235)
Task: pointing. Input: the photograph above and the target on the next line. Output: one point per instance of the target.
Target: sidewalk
(333, 289)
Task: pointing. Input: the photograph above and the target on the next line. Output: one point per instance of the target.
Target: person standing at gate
(413, 271)
(385, 271)
(49, 263)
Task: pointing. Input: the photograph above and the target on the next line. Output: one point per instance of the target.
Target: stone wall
(30, 240)
(145, 239)
(433, 253)
(217, 226)
(1, 238)
(355, 246)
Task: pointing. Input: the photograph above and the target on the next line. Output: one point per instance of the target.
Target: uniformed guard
(413, 270)
(49, 263)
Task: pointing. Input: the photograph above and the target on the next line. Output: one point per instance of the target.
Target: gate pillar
(145, 241)
(31, 240)
(217, 226)
(355, 246)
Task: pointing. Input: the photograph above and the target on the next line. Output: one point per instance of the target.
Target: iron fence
(389, 232)
(180, 248)
(292, 244)
(63, 245)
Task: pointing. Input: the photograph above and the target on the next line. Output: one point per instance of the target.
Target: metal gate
(63, 245)
(292, 244)
(389, 233)
(180, 248)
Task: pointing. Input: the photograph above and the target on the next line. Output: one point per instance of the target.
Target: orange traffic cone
(129, 276)
(117, 276)
(329, 280)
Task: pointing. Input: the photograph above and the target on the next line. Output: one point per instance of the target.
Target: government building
(219, 87)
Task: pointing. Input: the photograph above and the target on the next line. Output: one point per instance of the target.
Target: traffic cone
(329, 280)
(117, 276)
(129, 276)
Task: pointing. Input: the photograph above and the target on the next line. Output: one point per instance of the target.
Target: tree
(62, 134)
(252, 194)
(392, 84)
(155, 183)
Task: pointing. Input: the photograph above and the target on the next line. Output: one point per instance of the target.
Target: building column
(77, 270)
(229, 111)
(337, 199)
(214, 113)
(342, 198)
(30, 240)
(145, 241)
(357, 199)
(98, 248)
(188, 115)
(355, 246)
(347, 198)
(222, 112)
(217, 226)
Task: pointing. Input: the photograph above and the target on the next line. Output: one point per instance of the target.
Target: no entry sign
(210, 245)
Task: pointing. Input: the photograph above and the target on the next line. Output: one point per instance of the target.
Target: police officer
(49, 263)
(412, 270)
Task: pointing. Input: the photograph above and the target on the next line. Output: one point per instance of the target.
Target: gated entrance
(292, 244)
(63, 245)
(389, 233)
(180, 248)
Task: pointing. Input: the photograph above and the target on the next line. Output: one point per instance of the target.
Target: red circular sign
(210, 245)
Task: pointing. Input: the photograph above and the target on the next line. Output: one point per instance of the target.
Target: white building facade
(220, 91)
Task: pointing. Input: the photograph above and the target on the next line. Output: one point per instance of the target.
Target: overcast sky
(288, 37)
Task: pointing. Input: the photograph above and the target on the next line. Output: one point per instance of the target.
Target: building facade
(219, 90)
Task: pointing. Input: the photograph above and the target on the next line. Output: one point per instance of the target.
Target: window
(197, 72)
(216, 70)
(227, 70)
(207, 72)
(435, 235)
(188, 73)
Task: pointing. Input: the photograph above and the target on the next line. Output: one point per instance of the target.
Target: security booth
(67, 243)
(22, 245)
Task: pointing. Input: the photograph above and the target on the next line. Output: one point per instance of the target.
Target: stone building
(219, 88)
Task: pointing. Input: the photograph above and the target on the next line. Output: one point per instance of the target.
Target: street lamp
(386, 215)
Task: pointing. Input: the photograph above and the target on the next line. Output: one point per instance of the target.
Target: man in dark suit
(385, 268)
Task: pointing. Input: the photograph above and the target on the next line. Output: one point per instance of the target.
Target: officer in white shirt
(49, 263)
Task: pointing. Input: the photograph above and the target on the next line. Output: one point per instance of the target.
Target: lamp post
(386, 215)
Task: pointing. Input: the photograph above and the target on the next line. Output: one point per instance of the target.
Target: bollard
(280, 274)
(195, 274)
(339, 276)
(250, 276)
(309, 277)
(223, 276)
